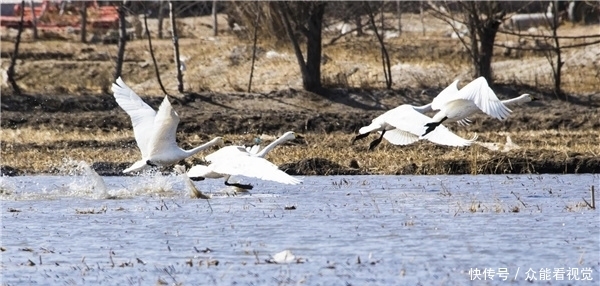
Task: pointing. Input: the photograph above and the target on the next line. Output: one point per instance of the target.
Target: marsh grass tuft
(557, 151)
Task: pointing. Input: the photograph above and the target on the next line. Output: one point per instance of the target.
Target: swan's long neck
(521, 99)
(423, 108)
(201, 147)
(270, 147)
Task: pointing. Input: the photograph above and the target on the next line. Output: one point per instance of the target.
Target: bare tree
(160, 19)
(152, 55)
(33, 20)
(254, 49)
(311, 28)
(482, 19)
(214, 18)
(122, 40)
(385, 58)
(176, 47)
(83, 12)
(13, 59)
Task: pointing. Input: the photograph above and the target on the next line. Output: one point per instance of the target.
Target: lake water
(343, 230)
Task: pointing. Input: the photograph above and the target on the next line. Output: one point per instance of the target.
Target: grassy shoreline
(29, 151)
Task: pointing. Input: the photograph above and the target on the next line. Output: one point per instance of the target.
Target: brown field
(68, 113)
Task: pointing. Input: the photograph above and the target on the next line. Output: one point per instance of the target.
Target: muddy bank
(342, 112)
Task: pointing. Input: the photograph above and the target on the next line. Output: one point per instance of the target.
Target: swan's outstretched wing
(142, 115)
(254, 167)
(198, 171)
(407, 119)
(165, 128)
(445, 96)
(253, 149)
(443, 136)
(480, 93)
(225, 153)
(400, 137)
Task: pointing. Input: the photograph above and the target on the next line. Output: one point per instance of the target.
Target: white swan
(404, 125)
(457, 105)
(235, 160)
(255, 149)
(154, 131)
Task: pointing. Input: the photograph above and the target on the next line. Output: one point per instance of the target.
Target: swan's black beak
(533, 98)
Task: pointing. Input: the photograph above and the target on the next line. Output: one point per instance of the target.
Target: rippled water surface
(343, 230)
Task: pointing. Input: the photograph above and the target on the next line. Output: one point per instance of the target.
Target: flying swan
(457, 105)
(154, 131)
(404, 125)
(236, 160)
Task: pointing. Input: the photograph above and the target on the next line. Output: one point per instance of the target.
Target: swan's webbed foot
(360, 136)
(374, 144)
(376, 141)
(149, 163)
(241, 186)
(197, 178)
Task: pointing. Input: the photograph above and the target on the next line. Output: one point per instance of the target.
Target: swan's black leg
(376, 141)
(432, 125)
(241, 186)
(149, 163)
(360, 136)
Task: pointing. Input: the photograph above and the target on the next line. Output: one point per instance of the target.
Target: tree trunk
(483, 31)
(559, 63)
(258, 13)
(160, 19)
(176, 47)
(399, 13)
(122, 41)
(487, 36)
(13, 60)
(33, 21)
(311, 68)
(83, 12)
(214, 18)
(312, 81)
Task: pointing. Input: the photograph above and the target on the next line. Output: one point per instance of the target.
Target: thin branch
(13, 59)
(152, 55)
(548, 49)
(547, 36)
(254, 47)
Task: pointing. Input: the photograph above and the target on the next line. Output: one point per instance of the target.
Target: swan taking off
(457, 105)
(154, 131)
(255, 150)
(235, 160)
(404, 125)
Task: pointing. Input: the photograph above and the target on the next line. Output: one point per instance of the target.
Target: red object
(48, 17)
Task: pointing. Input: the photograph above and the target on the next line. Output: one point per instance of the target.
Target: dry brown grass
(222, 64)
(386, 159)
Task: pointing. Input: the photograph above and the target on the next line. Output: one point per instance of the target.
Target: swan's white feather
(142, 115)
(165, 124)
(478, 92)
(405, 124)
(253, 167)
(236, 161)
(400, 137)
(154, 131)
(407, 119)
